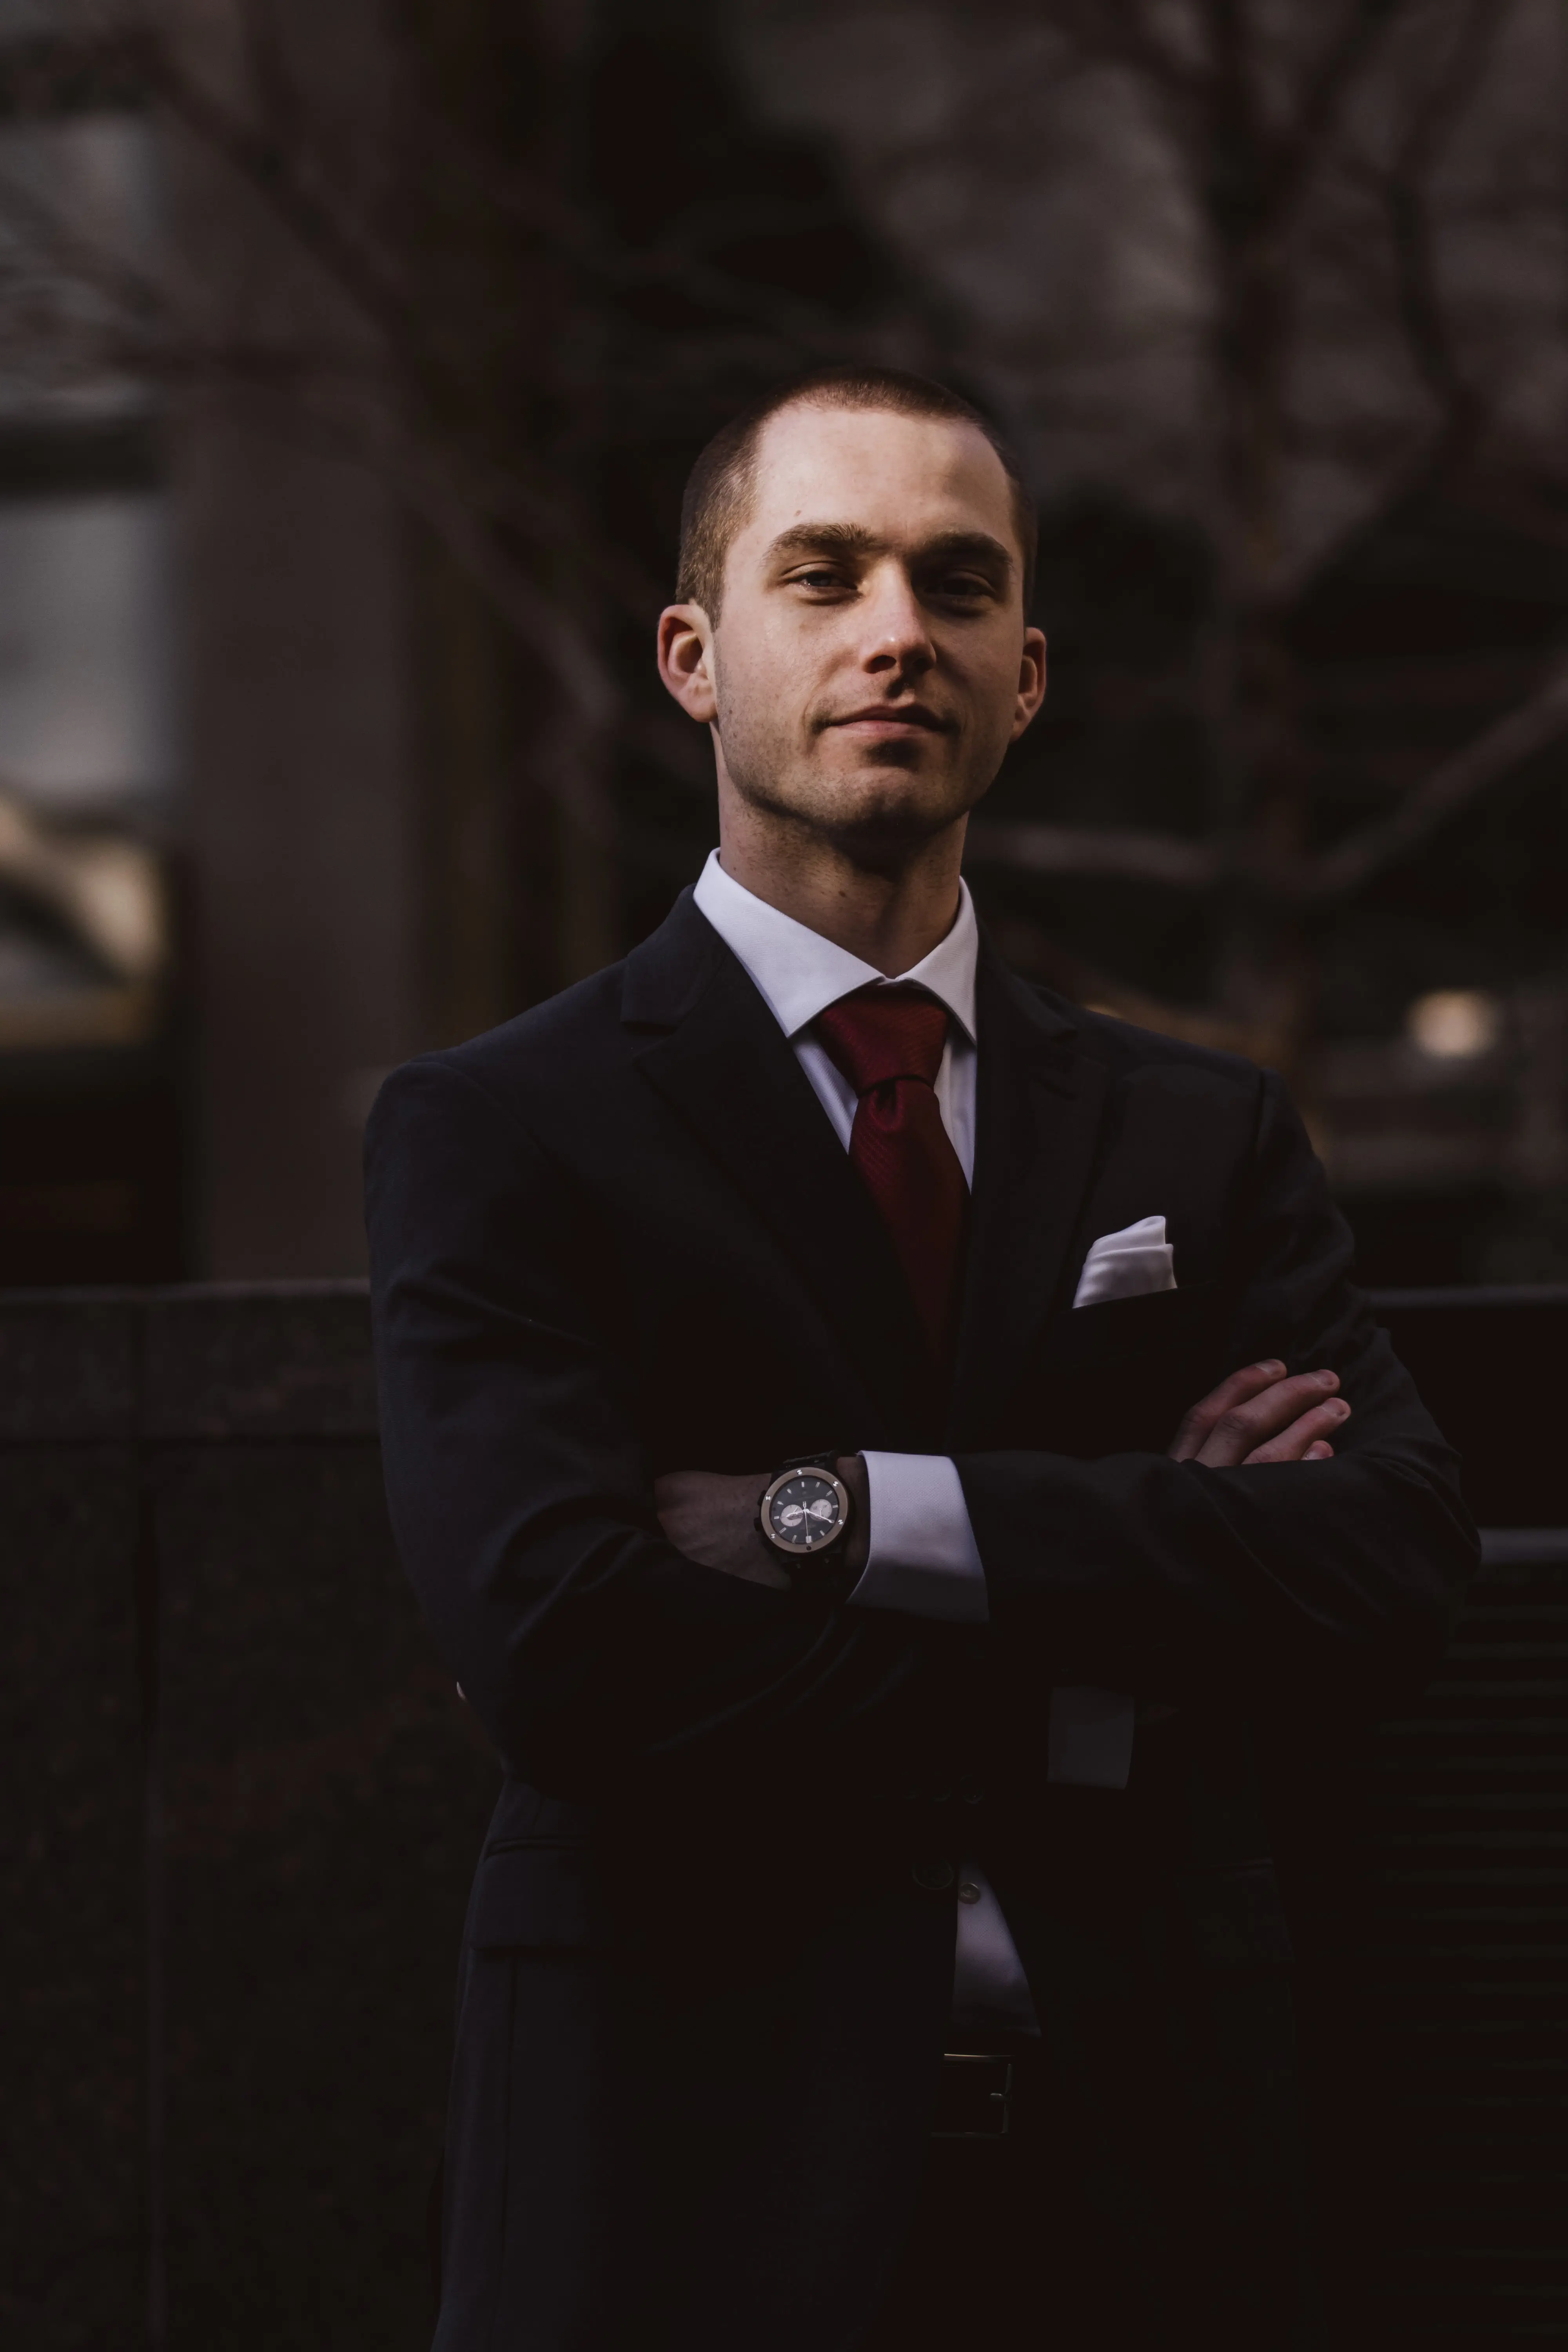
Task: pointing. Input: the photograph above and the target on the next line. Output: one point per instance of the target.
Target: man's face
(870, 665)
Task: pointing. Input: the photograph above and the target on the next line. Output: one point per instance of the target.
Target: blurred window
(83, 628)
(91, 1185)
(84, 599)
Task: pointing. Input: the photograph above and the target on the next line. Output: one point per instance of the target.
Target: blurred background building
(350, 363)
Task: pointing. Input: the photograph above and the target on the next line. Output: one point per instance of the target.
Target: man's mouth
(895, 719)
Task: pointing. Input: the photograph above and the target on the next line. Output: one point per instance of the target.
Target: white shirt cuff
(922, 1559)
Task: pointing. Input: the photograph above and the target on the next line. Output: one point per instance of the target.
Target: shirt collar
(799, 972)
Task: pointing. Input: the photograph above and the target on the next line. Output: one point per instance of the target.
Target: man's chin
(883, 828)
(878, 812)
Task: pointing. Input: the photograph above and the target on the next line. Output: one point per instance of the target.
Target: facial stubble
(793, 788)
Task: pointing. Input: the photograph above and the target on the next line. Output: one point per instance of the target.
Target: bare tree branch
(1236, 115)
(268, 72)
(1401, 189)
(522, 196)
(77, 260)
(360, 266)
(273, 156)
(1120, 32)
(144, 331)
(1110, 852)
(1450, 789)
(1321, 104)
(1170, 862)
(1404, 190)
(1433, 121)
(517, 533)
(1249, 164)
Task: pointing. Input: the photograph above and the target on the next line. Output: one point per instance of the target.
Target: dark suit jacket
(709, 1949)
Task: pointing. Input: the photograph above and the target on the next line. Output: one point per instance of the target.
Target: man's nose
(896, 634)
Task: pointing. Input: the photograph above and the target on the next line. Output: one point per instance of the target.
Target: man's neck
(890, 920)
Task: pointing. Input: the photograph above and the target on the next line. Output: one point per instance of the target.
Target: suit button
(934, 1874)
(967, 1891)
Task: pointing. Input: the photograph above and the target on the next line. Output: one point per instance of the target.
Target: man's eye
(820, 576)
(966, 584)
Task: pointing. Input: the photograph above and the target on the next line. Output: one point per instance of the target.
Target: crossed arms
(1261, 1414)
(597, 1652)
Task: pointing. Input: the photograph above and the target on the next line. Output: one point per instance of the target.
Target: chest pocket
(1117, 1378)
(1152, 1326)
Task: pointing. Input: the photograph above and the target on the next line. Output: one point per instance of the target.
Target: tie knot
(880, 1035)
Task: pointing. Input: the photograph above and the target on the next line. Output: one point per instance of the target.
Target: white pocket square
(1127, 1265)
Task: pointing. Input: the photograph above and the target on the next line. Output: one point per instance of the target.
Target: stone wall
(245, 1805)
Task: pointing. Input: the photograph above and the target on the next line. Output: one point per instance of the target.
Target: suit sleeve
(1136, 1572)
(523, 1510)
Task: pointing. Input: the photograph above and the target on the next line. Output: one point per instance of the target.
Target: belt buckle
(974, 2099)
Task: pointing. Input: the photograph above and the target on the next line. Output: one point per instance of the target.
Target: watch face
(804, 1512)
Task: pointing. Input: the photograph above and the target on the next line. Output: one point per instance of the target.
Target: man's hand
(1261, 1415)
(713, 1519)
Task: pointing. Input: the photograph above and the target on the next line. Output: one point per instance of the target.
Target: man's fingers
(1244, 1411)
(1243, 1428)
(1302, 1440)
(1195, 1426)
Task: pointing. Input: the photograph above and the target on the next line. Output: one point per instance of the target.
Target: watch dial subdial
(805, 1512)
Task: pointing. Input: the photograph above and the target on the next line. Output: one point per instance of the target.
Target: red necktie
(889, 1041)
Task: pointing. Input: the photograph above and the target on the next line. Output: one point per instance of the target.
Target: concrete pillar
(301, 834)
(300, 815)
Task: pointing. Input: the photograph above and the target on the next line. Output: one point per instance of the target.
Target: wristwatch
(805, 1515)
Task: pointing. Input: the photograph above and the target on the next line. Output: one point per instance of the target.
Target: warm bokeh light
(1455, 1025)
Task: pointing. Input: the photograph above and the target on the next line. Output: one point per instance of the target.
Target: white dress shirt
(922, 1557)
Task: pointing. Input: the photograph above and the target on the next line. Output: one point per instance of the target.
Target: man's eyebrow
(854, 539)
(975, 546)
(845, 537)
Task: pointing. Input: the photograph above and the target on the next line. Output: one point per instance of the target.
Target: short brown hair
(718, 486)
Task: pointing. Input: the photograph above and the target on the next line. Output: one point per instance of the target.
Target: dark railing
(245, 1803)
(1467, 1854)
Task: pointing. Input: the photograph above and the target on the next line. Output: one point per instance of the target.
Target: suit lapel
(714, 1050)
(1038, 1110)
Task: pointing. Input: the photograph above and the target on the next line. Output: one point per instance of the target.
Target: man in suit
(891, 1457)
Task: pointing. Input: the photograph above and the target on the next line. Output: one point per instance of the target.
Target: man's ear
(686, 660)
(1031, 681)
